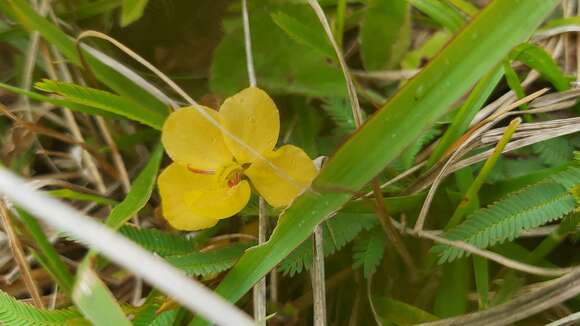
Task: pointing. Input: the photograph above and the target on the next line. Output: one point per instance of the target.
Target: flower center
(231, 174)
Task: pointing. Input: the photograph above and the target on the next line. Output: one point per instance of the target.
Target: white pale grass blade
(120, 250)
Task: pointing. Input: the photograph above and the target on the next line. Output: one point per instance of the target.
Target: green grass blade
(95, 300)
(515, 84)
(104, 101)
(441, 13)
(466, 113)
(473, 52)
(465, 6)
(50, 256)
(140, 193)
(75, 195)
(537, 58)
(59, 102)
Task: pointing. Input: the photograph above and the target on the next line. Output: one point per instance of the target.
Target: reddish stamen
(194, 170)
(236, 178)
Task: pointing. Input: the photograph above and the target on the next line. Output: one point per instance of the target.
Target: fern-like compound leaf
(506, 219)
(15, 313)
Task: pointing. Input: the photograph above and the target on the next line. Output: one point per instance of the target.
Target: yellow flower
(211, 174)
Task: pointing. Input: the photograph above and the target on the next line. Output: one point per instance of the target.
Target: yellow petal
(191, 140)
(219, 203)
(253, 118)
(174, 183)
(279, 188)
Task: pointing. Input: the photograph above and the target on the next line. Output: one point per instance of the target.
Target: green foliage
(160, 242)
(165, 318)
(305, 34)
(94, 299)
(337, 232)
(132, 11)
(385, 34)
(505, 220)
(408, 157)
(465, 114)
(105, 101)
(288, 67)
(75, 195)
(208, 262)
(47, 254)
(555, 151)
(400, 313)
(59, 102)
(140, 192)
(369, 251)
(441, 13)
(340, 112)
(432, 46)
(23, 13)
(538, 59)
(15, 313)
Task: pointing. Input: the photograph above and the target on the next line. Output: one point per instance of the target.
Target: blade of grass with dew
(122, 82)
(95, 301)
(441, 13)
(473, 52)
(537, 58)
(75, 195)
(46, 250)
(466, 113)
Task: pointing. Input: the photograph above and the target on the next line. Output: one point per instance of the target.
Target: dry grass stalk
(19, 256)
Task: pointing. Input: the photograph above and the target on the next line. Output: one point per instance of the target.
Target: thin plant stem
(259, 290)
(470, 197)
(391, 231)
(318, 278)
(338, 26)
(19, 256)
(248, 44)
